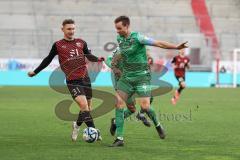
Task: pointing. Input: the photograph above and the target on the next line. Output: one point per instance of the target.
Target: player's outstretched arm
(93, 58)
(90, 56)
(161, 44)
(31, 74)
(46, 61)
(167, 45)
(173, 62)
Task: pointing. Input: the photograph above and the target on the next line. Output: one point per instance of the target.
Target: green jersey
(134, 57)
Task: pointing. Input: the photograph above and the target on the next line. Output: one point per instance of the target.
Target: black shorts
(80, 87)
(180, 79)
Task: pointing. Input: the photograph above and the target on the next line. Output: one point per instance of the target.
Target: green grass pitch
(204, 125)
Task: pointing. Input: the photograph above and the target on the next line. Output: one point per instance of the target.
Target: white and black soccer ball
(90, 134)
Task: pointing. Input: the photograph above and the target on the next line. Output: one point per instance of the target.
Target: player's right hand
(31, 74)
(182, 45)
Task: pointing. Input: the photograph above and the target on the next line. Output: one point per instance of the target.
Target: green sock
(152, 115)
(127, 113)
(119, 122)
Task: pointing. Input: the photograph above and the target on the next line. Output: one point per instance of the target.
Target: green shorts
(140, 85)
(130, 99)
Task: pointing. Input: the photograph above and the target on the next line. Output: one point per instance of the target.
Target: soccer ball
(90, 134)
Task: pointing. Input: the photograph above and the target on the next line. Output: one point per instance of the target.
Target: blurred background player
(71, 54)
(136, 76)
(179, 64)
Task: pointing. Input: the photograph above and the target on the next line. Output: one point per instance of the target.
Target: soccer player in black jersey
(71, 54)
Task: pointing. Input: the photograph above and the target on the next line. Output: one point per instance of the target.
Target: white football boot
(75, 131)
(99, 135)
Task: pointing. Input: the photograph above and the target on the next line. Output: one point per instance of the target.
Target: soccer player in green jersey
(130, 103)
(136, 75)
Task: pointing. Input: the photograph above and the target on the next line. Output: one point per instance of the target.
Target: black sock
(88, 119)
(180, 90)
(80, 119)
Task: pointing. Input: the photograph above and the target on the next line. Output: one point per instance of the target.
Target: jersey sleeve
(88, 54)
(173, 60)
(109, 61)
(46, 61)
(86, 50)
(145, 40)
(188, 62)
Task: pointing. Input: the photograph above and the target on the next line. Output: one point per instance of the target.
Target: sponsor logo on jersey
(78, 44)
(89, 50)
(74, 52)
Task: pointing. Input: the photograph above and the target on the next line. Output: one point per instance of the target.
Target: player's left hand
(182, 45)
(31, 74)
(100, 59)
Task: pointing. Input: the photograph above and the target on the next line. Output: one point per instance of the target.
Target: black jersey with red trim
(71, 56)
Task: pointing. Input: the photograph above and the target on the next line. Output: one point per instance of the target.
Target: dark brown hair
(68, 21)
(124, 19)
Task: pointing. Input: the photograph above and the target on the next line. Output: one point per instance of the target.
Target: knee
(182, 85)
(145, 105)
(119, 103)
(83, 105)
(144, 110)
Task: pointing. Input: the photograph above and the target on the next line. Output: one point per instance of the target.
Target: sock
(79, 120)
(119, 122)
(152, 115)
(141, 114)
(127, 113)
(151, 99)
(120, 138)
(142, 111)
(86, 117)
(180, 90)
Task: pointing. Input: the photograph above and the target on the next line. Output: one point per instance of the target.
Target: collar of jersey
(130, 35)
(68, 40)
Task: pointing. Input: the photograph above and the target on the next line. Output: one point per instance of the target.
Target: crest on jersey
(132, 40)
(89, 50)
(78, 44)
(185, 61)
(119, 42)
